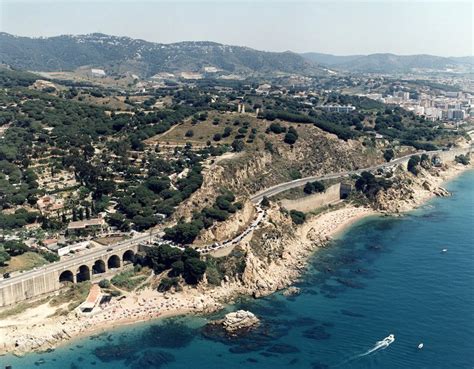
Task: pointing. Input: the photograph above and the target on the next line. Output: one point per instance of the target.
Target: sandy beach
(37, 329)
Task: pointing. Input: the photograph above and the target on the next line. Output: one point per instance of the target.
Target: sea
(411, 277)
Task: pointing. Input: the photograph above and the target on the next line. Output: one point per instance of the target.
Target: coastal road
(77, 260)
(274, 190)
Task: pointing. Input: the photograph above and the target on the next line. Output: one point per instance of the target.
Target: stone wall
(314, 201)
(28, 288)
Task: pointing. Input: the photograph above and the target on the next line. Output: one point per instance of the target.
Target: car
(110, 249)
(6, 275)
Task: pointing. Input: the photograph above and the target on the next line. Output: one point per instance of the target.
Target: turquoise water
(384, 276)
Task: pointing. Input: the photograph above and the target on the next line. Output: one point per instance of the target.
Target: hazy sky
(338, 26)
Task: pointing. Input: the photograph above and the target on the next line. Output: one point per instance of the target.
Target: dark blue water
(384, 276)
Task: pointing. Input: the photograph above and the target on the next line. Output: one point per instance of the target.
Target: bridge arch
(83, 274)
(66, 276)
(113, 262)
(128, 257)
(99, 267)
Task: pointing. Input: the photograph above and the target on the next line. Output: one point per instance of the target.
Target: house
(50, 205)
(50, 244)
(263, 89)
(32, 226)
(86, 226)
(98, 72)
(211, 69)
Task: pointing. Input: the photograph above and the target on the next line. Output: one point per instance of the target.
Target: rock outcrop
(409, 191)
(291, 291)
(29, 343)
(240, 320)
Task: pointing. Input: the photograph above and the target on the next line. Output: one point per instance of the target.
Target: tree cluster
(314, 187)
(185, 263)
(413, 163)
(370, 185)
(186, 232)
(298, 217)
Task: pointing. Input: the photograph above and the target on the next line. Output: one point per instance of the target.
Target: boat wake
(379, 345)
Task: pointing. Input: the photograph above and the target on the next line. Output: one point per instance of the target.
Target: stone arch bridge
(95, 267)
(78, 268)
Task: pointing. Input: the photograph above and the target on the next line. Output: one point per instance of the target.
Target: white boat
(444, 250)
(420, 346)
(389, 339)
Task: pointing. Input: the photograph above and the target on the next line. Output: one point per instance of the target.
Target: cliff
(409, 191)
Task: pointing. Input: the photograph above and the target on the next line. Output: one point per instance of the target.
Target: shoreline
(40, 331)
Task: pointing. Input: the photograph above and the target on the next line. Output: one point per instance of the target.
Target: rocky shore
(276, 255)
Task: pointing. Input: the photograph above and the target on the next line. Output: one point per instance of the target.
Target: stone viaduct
(79, 268)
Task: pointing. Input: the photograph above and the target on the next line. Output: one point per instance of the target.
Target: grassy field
(110, 102)
(204, 131)
(28, 260)
(130, 279)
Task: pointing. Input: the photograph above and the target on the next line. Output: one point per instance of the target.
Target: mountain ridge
(118, 54)
(389, 62)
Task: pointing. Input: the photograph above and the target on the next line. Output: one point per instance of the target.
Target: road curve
(274, 190)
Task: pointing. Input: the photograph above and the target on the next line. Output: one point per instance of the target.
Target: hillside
(118, 55)
(390, 63)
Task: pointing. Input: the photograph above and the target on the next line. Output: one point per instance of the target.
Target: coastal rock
(441, 192)
(29, 343)
(291, 291)
(426, 186)
(240, 320)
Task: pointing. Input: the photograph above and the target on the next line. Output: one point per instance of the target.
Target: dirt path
(153, 139)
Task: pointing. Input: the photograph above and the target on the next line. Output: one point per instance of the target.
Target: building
(50, 205)
(98, 73)
(211, 69)
(50, 244)
(86, 226)
(92, 300)
(263, 89)
(338, 108)
(455, 114)
(419, 110)
(75, 247)
(433, 113)
(403, 95)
